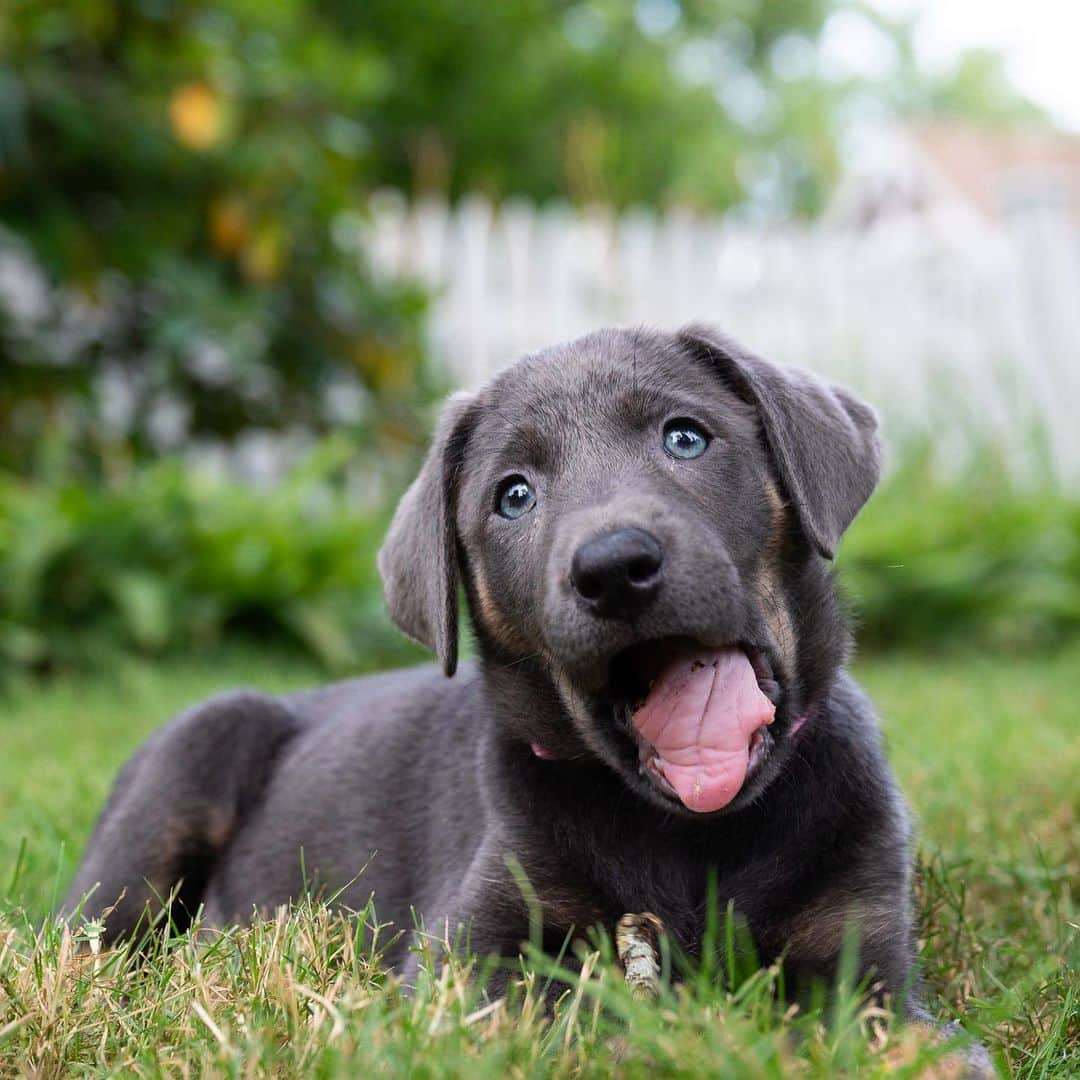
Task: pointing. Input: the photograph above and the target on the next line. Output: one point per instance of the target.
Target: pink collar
(800, 722)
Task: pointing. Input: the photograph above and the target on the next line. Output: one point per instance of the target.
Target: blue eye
(683, 439)
(516, 498)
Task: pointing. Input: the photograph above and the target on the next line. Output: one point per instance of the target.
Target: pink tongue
(698, 717)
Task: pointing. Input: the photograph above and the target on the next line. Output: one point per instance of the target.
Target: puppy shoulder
(855, 748)
(849, 714)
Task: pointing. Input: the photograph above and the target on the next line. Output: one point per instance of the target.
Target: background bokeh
(246, 247)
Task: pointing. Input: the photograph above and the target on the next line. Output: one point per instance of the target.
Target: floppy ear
(823, 439)
(418, 558)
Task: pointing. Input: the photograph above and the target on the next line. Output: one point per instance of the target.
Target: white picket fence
(960, 333)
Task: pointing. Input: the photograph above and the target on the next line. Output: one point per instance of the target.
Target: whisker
(520, 660)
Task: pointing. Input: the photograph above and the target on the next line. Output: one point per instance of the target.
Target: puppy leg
(973, 1059)
(482, 916)
(886, 960)
(173, 810)
(891, 974)
(493, 913)
(889, 963)
(894, 974)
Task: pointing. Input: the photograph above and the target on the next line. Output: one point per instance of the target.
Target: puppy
(642, 524)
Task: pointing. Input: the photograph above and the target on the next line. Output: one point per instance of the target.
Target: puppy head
(645, 519)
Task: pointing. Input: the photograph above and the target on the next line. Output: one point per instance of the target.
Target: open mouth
(698, 717)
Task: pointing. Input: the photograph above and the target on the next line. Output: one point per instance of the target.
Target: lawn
(988, 749)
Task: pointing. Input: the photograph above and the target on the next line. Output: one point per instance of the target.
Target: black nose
(618, 574)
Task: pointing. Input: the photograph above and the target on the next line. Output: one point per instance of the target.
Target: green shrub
(174, 559)
(969, 560)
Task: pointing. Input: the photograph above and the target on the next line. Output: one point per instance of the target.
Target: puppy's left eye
(683, 439)
(516, 498)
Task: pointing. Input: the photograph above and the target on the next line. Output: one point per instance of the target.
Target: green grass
(987, 748)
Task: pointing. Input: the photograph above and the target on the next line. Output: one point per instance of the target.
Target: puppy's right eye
(516, 498)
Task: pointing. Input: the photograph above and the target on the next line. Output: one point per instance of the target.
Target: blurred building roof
(983, 173)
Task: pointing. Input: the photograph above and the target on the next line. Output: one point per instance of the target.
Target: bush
(174, 560)
(934, 562)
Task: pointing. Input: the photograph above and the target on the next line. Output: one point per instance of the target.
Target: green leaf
(144, 603)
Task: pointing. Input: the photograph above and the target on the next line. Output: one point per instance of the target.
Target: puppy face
(618, 508)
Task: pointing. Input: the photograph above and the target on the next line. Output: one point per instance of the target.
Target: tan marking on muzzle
(492, 620)
(777, 506)
(770, 582)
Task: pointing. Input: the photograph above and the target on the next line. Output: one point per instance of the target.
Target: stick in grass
(637, 941)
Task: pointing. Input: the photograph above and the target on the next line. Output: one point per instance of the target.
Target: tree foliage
(187, 176)
(602, 101)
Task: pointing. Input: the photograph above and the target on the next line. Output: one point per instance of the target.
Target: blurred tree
(186, 176)
(648, 102)
(974, 87)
